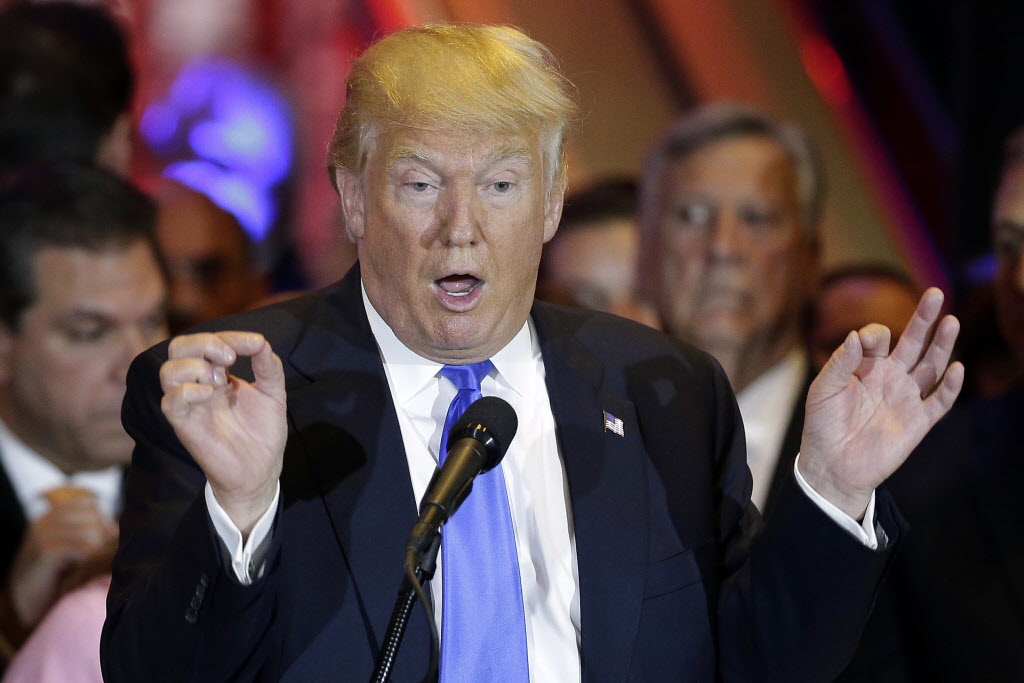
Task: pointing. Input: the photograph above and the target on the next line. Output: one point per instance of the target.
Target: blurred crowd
(717, 243)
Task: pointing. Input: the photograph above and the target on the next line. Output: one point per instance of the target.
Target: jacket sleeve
(172, 600)
(796, 590)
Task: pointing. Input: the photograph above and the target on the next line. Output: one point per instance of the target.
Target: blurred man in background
(851, 297)
(591, 260)
(81, 293)
(730, 204)
(66, 86)
(953, 609)
(210, 260)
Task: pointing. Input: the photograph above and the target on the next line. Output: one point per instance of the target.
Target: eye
(696, 214)
(759, 218)
(86, 334)
(502, 186)
(1008, 246)
(420, 186)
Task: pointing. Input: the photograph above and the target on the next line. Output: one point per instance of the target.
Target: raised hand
(868, 408)
(234, 429)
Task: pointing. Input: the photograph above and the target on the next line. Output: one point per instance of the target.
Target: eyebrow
(503, 153)
(400, 154)
(510, 153)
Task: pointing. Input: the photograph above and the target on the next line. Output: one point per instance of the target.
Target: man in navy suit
(268, 502)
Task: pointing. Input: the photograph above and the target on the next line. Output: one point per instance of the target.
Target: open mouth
(459, 285)
(458, 292)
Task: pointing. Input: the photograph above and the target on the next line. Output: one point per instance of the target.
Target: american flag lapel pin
(613, 424)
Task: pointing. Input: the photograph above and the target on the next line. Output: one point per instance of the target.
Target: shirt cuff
(864, 531)
(247, 559)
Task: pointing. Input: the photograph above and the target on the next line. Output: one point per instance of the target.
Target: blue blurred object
(225, 131)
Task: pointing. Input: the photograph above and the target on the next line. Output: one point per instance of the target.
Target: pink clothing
(66, 644)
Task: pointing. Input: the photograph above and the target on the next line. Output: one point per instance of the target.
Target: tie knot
(467, 376)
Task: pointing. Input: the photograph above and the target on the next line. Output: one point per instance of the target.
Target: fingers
(268, 372)
(174, 373)
(920, 328)
(932, 365)
(221, 348)
(844, 362)
(71, 530)
(198, 364)
(875, 339)
(942, 399)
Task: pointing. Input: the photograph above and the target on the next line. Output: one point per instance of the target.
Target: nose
(459, 221)
(726, 233)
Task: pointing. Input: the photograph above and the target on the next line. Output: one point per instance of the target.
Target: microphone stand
(404, 603)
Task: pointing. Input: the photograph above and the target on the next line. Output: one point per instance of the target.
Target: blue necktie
(483, 627)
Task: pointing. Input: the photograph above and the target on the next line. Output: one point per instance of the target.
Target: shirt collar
(31, 476)
(775, 391)
(512, 362)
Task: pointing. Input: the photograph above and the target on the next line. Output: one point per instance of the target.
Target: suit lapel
(345, 424)
(606, 477)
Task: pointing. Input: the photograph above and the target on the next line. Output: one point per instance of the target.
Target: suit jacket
(12, 523)
(672, 586)
(953, 608)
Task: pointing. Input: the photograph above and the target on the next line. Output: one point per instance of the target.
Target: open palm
(868, 408)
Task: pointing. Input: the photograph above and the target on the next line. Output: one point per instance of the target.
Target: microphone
(476, 444)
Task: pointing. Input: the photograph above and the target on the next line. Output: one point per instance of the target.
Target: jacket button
(191, 615)
(204, 580)
(196, 602)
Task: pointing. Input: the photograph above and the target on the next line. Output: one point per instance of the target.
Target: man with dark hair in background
(730, 206)
(953, 607)
(851, 297)
(591, 260)
(211, 264)
(66, 86)
(81, 293)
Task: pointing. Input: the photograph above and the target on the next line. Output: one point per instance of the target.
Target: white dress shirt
(766, 405)
(535, 481)
(32, 475)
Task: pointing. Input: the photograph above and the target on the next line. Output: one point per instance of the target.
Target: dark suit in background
(672, 586)
(953, 608)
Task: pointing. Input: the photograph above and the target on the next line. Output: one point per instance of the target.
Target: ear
(553, 209)
(350, 189)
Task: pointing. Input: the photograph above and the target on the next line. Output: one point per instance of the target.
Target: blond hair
(455, 76)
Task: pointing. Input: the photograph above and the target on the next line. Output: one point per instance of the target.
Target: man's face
(1008, 240)
(449, 229)
(62, 372)
(852, 303)
(595, 265)
(737, 265)
(207, 260)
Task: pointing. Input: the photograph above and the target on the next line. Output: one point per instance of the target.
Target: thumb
(268, 372)
(836, 374)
